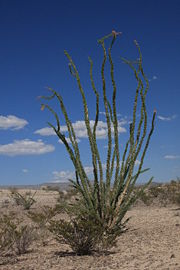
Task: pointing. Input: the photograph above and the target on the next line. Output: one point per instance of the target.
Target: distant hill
(60, 186)
(20, 186)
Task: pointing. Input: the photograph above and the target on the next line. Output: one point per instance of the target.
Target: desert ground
(152, 241)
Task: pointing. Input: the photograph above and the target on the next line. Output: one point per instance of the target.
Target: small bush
(6, 240)
(44, 216)
(147, 200)
(23, 238)
(164, 194)
(155, 191)
(42, 220)
(5, 203)
(174, 191)
(66, 195)
(84, 234)
(51, 188)
(26, 200)
(14, 236)
(178, 199)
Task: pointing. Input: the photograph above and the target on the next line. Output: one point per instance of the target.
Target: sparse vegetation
(84, 234)
(26, 200)
(44, 216)
(67, 195)
(18, 234)
(162, 194)
(51, 188)
(14, 236)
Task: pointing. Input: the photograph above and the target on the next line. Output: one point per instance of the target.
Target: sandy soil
(152, 242)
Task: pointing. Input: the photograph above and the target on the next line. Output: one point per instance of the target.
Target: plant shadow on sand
(73, 254)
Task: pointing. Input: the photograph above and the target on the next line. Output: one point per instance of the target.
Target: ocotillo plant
(108, 197)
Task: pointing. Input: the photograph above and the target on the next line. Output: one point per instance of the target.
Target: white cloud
(25, 170)
(25, 147)
(47, 131)
(172, 157)
(168, 118)
(137, 162)
(62, 176)
(104, 113)
(154, 77)
(88, 170)
(68, 140)
(12, 122)
(81, 131)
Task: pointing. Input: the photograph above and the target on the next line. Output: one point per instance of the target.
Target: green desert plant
(26, 200)
(42, 220)
(43, 216)
(83, 234)
(108, 197)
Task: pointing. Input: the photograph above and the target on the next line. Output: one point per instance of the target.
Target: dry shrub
(67, 195)
(164, 194)
(84, 234)
(14, 236)
(26, 200)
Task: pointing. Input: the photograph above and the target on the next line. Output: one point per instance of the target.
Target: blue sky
(33, 36)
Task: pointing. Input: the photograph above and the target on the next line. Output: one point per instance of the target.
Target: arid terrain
(152, 240)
